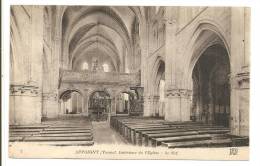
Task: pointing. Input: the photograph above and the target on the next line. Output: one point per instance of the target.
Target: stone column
(178, 104)
(177, 101)
(239, 108)
(211, 108)
(26, 97)
(144, 44)
(113, 105)
(61, 107)
(85, 103)
(156, 105)
(24, 105)
(240, 76)
(161, 108)
(120, 104)
(82, 104)
(77, 99)
(50, 105)
(148, 106)
(144, 52)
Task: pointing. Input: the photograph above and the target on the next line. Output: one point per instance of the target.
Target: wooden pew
(67, 129)
(240, 141)
(68, 143)
(137, 132)
(181, 133)
(54, 133)
(40, 138)
(25, 130)
(204, 143)
(28, 127)
(119, 123)
(142, 130)
(15, 138)
(129, 127)
(63, 134)
(158, 141)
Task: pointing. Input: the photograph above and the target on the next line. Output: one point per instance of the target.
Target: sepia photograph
(129, 82)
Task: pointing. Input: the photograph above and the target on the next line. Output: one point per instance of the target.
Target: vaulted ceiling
(103, 30)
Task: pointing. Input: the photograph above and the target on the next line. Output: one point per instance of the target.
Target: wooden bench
(54, 133)
(129, 128)
(25, 130)
(148, 136)
(125, 127)
(204, 143)
(136, 133)
(40, 138)
(158, 141)
(153, 132)
(15, 138)
(28, 127)
(240, 141)
(68, 143)
(63, 132)
(63, 135)
(67, 129)
(118, 123)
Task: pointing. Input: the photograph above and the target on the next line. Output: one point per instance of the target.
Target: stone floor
(103, 134)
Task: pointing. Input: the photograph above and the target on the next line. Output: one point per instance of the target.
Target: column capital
(156, 98)
(57, 38)
(170, 13)
(240, 80)
(149, 97)
(86, 90)
(49, 96)
(24, 90)
(184, 93)
(166, 20)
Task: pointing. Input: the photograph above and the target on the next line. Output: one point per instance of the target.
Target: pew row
(60, 133)
(157, 132)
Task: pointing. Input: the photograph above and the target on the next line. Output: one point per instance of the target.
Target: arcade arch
(71, 102)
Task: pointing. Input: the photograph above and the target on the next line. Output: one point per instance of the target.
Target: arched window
(105, 67)
(85, 66)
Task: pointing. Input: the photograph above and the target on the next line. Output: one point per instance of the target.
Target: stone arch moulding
(126, 91)
(63, 91)
(154, 72)
(195, 50)
(107, 91)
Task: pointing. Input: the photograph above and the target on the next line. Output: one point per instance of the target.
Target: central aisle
(103, 134)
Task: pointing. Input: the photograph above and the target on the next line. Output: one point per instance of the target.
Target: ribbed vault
(100, 30)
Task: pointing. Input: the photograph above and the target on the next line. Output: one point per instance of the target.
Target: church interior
(169, 76)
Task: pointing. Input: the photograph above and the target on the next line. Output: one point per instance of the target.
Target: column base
(148, 107)
(25, 105)
(240, 89)
(50, 105)
(178, 105)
